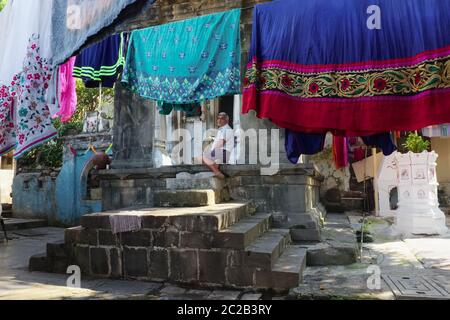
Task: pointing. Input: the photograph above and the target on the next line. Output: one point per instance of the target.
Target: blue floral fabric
(186, 61)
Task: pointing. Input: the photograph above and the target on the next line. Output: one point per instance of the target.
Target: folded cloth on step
(125, 223)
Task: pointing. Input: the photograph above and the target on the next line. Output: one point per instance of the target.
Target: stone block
(325, 254)
(224, 295)
(82, 259)
(39, 262)
(99, 261)
(154, 222)
(107, 238)
(212, 266)
(135, 262)
(115, 258)
(95, 221)
(59, 250)
(197, 240)
(184, 198)
(159, 265)
(59, 265)
(299, 235)
(240, 277)
(89, 237)
(141, 238)
(72, 235)
(183, 265)
(166, 239)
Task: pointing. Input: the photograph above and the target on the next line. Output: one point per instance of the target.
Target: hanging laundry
(74, 22)
(340, 152)
(67, 91)
(187, 61)
(26, 74)
(35, 37)
(190, 109)
(101, 63)
(298, 143)
(437, 131)
(382, 141)
(345, 76)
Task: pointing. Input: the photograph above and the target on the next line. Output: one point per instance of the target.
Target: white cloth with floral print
(26, 76)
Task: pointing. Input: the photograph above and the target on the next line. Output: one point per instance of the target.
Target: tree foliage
(2, 4)
(50, 154)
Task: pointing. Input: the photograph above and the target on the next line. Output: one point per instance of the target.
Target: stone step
(201, 181)
(189, 198)
(352, 203)
(40, 263)
(20, 224)
(6, 207)
(188, 219)
(59, 250)
(265, 251)
(287, 271)
(7, 214)
(242, 234)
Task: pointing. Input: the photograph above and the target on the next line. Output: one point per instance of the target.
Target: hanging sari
(329, 66)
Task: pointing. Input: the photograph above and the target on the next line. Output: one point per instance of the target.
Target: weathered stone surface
(159, 264)
(107, 238)
(251, 296)
(286, 273)
(141, 238)
(135, 262)
(154, 222)
(99, 261)
(266, 250)
(240, 277)
(115, 258)
(299, 235)
(59, 250)
(331, 254)
(194, 182)
(197, 240)
(243, 233)
(166, 238)
(212, 266)
(82, 258)
(72, 235)
(39, 262)
(223, 295)
(184, 198)
(95, 221)
(89, 237)
(183, 265)
(59, 265)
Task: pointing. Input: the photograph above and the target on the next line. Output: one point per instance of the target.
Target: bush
(416, 143)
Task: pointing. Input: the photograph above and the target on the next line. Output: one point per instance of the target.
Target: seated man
(222, 146)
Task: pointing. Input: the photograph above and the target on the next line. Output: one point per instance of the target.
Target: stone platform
(292, 194)
(225, 245)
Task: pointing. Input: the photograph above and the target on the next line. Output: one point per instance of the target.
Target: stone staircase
(194, 235)
(6, 210)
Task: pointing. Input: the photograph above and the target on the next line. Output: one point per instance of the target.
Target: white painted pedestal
(418, 208)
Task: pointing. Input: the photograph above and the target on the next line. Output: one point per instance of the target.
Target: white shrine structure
(414, 175)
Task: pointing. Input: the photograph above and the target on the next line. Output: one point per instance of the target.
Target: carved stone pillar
(133, 130)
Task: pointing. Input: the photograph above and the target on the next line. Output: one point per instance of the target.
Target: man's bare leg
(213, 167)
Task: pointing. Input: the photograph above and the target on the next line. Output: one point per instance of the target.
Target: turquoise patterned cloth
(187, 61)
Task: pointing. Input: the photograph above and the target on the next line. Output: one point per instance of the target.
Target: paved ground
(414, 257)
(415, 260)
(17, 283)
